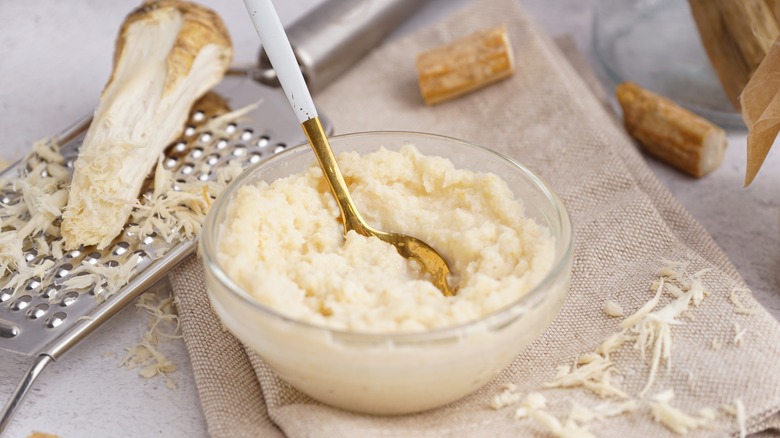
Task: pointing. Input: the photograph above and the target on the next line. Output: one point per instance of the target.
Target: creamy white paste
(283, 243)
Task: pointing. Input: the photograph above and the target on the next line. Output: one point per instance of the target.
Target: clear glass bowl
(656, 44)
(393, 373)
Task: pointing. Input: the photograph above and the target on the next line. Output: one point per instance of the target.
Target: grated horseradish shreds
(174, 211)
(649, 329)
(674, 419)
(739, 334)
(739, 307)
(42, 182)
(146, 354)
(508, 396)
(612, 308)
(739, 408)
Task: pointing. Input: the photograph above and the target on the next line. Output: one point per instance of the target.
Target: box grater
(44, 319)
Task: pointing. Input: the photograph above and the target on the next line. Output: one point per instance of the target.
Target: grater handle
(335, 35)
(22, 388)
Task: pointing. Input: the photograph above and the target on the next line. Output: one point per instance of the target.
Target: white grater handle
(280, 53)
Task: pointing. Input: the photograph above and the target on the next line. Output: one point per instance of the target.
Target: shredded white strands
(654, 328)
(108, 279)
(593, 374)
(146, 354)
(739, 334)
(531, 402)
(42, 182)
(739, 307)
(674, 419)
(176, 210)
(508, 396)
(741, 417)
(583, 415)
(612, 308)
(217, 124)
(533, 406)
(649, 330)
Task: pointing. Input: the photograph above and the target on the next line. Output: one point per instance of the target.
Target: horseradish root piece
(465, 65)
(671, 133)
(168, 54)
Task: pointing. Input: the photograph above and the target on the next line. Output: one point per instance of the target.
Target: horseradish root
(465, 65)
(671, 133)
(168, 54)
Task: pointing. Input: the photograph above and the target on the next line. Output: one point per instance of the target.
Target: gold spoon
(280, 54)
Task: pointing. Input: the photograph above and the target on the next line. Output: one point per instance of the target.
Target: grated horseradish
(283, 243)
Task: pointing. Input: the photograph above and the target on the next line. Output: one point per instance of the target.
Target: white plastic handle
(280, 53)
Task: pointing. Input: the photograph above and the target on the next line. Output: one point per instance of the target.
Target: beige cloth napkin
(624, 219)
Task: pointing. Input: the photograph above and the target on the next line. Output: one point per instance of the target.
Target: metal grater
(44, 319)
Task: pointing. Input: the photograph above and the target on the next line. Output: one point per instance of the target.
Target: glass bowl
(394, 373)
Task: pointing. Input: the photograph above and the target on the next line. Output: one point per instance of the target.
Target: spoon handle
(280, 53)
(319, 143)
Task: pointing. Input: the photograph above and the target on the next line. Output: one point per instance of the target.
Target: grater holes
(6, 294)
(196, 152)
(198, 116)
(69, 161)
(21, 303)
(56, 320)
(72, 254)
(187, 169)
(189, 131)
(279, 147)
(99, 290)
(255, 157)
(246, 135)
(112, 263)
(50, 291)
(263, 141)
(204, 176)
(9, 199)
(149, 239)
(33, 284)
(222, 143)
(63, 271)
(92, 258)
(120, 248)
(30, 255)
(170, 163)
(205, 137)
(69, 298)
(140, 254)
(212, 159)
(230, 128)
(38, 311)
(239, 150)
(180, 147)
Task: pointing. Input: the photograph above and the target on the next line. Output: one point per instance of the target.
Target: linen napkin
(625, 221)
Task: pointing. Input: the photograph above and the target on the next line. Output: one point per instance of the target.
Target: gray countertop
(54, 60)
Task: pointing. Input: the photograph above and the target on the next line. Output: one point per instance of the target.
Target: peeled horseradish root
(168, 54)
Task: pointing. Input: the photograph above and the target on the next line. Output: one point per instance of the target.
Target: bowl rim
(207, 249)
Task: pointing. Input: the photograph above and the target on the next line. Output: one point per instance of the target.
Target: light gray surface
(55, 58)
